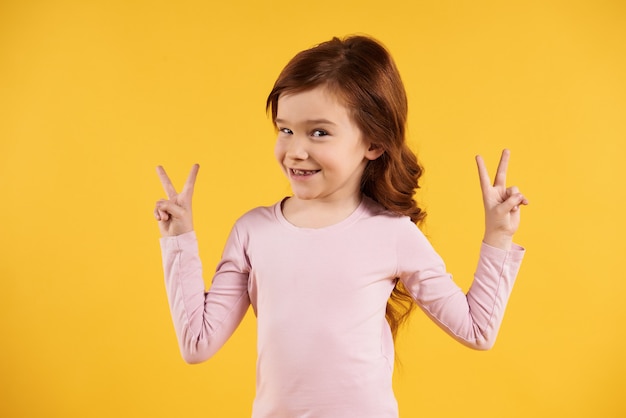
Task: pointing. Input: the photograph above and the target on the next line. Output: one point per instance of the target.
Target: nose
(296, 149)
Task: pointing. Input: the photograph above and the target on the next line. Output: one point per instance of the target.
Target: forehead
(316, 103)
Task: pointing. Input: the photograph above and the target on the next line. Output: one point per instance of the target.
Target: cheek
(279, 152)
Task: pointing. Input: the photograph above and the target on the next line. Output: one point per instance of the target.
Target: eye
(319, 133)
(285, 131)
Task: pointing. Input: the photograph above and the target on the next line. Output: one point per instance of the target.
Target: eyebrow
(310, 122)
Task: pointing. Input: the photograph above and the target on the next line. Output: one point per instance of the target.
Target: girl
(327, 269)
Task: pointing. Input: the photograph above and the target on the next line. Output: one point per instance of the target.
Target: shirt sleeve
(204, 320)
(473, 318)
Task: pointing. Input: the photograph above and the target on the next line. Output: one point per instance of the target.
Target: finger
(191, 179)
(161, 216)
(168, 208)
(500, 179)
(166, 183)
(512, 191)
(483, 174)
(513, 203)
(164, 216)
(159, 213)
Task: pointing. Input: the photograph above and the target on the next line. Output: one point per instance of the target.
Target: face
(319, 147)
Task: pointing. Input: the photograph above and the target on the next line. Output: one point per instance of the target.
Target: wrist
(174, 232)
(498, 240)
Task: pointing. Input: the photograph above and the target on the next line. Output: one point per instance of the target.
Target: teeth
(303, 172)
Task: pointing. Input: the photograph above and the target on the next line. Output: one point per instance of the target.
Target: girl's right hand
(174, 214)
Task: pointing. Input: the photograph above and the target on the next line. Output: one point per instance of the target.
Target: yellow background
(93, 95)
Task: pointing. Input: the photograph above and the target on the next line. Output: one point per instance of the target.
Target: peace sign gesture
(502, 214)
(174, 215)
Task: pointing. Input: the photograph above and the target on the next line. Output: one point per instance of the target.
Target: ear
(374, 151)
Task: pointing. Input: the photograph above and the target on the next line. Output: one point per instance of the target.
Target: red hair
(361, 72)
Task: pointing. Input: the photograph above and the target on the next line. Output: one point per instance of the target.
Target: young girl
(324, 268)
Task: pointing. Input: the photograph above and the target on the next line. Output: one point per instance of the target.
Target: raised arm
(203, 320)
(474, 318)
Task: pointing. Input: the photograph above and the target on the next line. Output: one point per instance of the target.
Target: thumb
(170, 208)
(514, 200)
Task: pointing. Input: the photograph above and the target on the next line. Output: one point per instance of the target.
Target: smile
(296, 172)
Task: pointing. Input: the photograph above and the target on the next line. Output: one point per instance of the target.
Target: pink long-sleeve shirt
(324, 346)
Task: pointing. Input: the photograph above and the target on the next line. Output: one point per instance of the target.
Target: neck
(316, 213)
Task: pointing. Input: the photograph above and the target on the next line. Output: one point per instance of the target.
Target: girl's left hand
(502, 204)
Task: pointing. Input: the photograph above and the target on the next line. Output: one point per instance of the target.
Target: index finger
(483, 174)
(166, 183)
(191, 179)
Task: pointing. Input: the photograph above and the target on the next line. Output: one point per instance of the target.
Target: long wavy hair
(363, 75)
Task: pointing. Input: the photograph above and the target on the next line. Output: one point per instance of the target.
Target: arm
(473, 319)
(203, 320)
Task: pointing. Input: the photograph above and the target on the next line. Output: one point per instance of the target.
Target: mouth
(302, 173)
